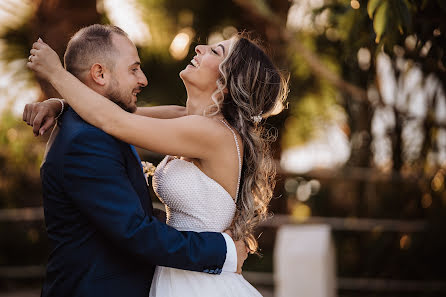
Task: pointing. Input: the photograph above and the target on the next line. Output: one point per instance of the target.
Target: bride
(218, 172)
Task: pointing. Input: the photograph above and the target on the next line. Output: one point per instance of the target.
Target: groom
(104, 239)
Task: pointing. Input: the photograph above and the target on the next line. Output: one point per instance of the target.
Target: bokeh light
(301, 212)
(355, 4)
(426, 200)
(405, 242)
(181, 43)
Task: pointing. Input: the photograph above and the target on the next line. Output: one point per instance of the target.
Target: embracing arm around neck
(162, 111)
(194, 136)
(190, 136)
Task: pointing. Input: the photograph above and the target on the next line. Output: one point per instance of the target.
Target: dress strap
(239, 158)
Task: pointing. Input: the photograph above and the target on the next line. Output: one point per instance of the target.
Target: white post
(304, 262)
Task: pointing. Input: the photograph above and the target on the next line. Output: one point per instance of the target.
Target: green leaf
(404, 15)
(372, 6)
(380, 20)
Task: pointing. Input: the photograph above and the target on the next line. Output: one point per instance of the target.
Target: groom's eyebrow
(135, 64)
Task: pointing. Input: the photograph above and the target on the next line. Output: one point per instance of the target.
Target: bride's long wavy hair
(250, 85)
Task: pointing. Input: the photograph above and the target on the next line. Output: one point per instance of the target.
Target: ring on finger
(29, 58)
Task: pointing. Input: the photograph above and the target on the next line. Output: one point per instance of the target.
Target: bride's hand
(41, 115)
(44, 61)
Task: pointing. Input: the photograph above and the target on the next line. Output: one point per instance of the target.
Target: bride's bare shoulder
(203, 122)
(216, 128)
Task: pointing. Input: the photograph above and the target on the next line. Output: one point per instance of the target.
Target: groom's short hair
(90, 45)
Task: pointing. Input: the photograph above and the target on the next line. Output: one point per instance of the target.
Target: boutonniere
(148, 168)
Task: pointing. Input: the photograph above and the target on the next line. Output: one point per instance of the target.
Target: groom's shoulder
(71, 121)
(74, 127)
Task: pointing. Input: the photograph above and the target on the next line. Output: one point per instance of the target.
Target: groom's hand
(242, 252)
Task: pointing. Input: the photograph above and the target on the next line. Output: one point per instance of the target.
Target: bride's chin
(184, 77)
(183, 74)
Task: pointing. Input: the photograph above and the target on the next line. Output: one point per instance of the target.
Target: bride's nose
(200, 49)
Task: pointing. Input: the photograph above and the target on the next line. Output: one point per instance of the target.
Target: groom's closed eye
(135, 65)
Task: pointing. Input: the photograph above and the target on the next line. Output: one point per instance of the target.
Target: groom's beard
(115, 94)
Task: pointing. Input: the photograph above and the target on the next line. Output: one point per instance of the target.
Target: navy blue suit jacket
(104, 240)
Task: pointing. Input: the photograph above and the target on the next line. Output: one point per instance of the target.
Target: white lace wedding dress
(195, 202)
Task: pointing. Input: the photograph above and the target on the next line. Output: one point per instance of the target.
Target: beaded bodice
(193, 200)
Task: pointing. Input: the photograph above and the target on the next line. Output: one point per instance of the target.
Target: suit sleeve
(95, 178)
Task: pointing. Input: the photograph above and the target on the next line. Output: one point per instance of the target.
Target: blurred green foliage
(310, 116)
(20, 159)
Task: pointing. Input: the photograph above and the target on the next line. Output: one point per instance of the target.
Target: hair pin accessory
(258, 118)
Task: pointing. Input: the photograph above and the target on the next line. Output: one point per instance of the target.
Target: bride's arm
(189, 136)
(162, 112)
(42, 115)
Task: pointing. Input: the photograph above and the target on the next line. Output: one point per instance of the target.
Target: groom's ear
(97, 73)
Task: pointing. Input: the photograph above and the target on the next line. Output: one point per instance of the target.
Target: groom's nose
(142, 79)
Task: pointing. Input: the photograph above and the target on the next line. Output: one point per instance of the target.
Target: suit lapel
(135, 154)
(140, 184)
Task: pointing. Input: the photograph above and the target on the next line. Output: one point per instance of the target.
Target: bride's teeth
(194, 63)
